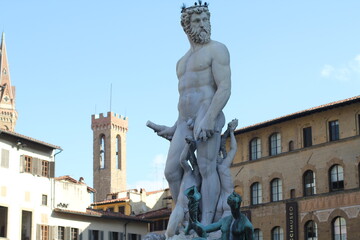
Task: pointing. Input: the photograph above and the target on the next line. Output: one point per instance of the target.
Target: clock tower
(8, 114)
(109, 154)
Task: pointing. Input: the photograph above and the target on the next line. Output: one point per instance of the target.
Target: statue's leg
(173, 169)
(210, 187)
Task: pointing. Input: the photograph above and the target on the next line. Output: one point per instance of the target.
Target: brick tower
(109, 153)
(8, 114)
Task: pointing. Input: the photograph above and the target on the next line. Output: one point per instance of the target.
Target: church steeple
(8, 114)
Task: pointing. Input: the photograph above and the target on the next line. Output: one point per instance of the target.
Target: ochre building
(299, 174)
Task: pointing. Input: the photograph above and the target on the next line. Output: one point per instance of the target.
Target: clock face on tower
(6, 98)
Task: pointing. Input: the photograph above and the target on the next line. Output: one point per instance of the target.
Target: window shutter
(138, 237)
(101, 235)
(35, 166)
(55, 233)
(51, 172)
(4, 158)
(91, 235)
(67, 233)
(22, 163)
(80, 235)
(38, 232)
(121, 237)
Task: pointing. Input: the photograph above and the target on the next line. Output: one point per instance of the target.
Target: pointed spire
(8, 114)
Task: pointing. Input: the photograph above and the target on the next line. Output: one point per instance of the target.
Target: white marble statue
(204, 89)
(190, 178)
(223, 168)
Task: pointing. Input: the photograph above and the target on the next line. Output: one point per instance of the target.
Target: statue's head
(195, 21)
(234, 200)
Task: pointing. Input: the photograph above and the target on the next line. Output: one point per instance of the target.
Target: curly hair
(186, 16)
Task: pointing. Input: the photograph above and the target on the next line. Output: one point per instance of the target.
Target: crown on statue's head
(198, 4)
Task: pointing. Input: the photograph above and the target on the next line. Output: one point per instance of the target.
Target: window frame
(307, 137)
(309, 184)
(255, 148)
(279, 233)
(258, 234)
(258, 194)
(275, 144)
(28, 164)
(276, 190)
(310, 229)
(334, 132)
(339, 182)
(340, 224)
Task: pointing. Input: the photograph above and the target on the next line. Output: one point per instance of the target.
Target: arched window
(291, 146)
(258, 235)
(336, 178)
(255, 149)
(311, 230)
(118, 152)
(277, 233)
(102, 151)
(339, 229)
(275, 144)
(256, 193)
(309, 183)
(276, 190)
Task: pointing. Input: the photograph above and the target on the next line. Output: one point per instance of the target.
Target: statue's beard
(200, 35)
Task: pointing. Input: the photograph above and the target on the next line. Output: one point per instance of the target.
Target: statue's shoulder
(219, 51)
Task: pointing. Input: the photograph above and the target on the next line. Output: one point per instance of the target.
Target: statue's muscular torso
(196, 82)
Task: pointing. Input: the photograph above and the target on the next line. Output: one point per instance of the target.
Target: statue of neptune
(204, 89)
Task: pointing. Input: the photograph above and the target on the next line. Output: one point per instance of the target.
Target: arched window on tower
(118, 152)
(102, 151)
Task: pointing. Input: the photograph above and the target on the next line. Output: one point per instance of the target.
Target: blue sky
(286, 56)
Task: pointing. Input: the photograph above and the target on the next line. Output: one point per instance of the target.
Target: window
(44, 232)
(61, 233)
(291, 146)
(102, 151)
(122, 209)
(307, 137)
(276, 190)
(255, 149)
(4, 161)
(132, 236)
(311, 230)
(118, 152)
(256, 193)
(28, 164)
(74, 233)
(292, 193)
(26, 222)
(96, 235)
(275, 144)
(258, 235)
(44, 200)
(339, 229)
(44, 168)
(116, 236)
(3, 221)
(309, 183)
(334, 130)
(277, 233)
(336, 178)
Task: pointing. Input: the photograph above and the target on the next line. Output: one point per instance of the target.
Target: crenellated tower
(109, 153)
(8, 114)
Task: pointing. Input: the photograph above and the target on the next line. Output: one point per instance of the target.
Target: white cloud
(347, 72)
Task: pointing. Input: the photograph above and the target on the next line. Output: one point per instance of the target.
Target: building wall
(290, 166)
(23, 191)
